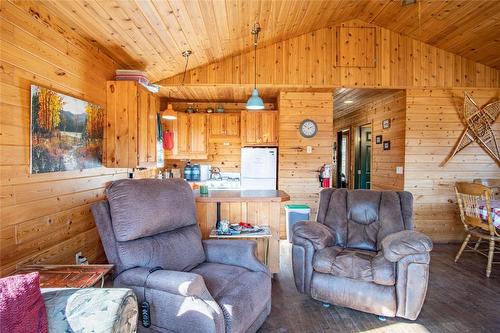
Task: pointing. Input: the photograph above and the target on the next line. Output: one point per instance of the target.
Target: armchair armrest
(174, 282)
(234, 252)
(398, 245)
(317, 233)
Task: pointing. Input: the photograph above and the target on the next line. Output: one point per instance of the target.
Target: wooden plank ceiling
(151, 35)
(347, 100)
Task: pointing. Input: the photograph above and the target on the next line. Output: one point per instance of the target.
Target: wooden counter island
(261, 208)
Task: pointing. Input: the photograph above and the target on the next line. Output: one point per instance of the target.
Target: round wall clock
(308, 128)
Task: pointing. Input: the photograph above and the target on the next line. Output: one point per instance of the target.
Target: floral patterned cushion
(91, 310)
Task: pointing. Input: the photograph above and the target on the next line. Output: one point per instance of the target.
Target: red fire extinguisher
(324, 176)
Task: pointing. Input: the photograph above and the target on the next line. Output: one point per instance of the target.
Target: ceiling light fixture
(408, 2)
(348, 102)
(169, 113)
(255, 102)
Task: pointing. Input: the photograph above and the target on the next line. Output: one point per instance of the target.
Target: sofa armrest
(174, 282)
(234, 252)
(317, 233)
(398, 245)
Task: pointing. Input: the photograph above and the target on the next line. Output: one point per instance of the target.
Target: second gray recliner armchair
(203, 286)
(361, 253)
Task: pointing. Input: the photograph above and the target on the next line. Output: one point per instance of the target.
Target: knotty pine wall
(298, 170)
(384, 162)
(45, 218)
(335, 57)
(433, 127)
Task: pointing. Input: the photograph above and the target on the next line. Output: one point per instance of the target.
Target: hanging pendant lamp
(255, 102)
(169, 113)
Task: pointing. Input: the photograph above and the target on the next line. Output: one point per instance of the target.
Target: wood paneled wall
(433, 127)
(319, 59)
(45, 218)
(298, 171)
(384, 162)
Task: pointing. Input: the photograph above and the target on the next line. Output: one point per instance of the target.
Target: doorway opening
(343, 170)
(363, 159)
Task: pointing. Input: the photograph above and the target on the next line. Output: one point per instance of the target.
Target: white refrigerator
(258, 168)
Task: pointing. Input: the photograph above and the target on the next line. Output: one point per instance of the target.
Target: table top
(242, 196)
(265, 233)
(68, 276)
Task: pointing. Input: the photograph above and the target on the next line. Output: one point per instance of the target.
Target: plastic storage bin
(295, 213)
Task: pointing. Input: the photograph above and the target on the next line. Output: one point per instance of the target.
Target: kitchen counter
(242, 196)
(261, 207)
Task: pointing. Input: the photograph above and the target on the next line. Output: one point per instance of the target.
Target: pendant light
(169, 113)
(255, 102)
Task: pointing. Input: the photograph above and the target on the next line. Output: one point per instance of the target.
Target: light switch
(399, 170)
(309, 149)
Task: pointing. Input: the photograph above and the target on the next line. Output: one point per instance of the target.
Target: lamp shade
(169, 113)
(255, 102)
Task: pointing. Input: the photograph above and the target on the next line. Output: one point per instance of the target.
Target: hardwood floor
(460, 299)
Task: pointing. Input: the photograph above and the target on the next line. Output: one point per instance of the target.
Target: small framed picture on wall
(387, 145)
(378, 139)
(386, 123)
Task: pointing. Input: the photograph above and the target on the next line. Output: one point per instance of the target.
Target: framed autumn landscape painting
(66, 132)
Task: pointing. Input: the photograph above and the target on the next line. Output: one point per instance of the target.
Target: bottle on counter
(188, 171)
(195, 172)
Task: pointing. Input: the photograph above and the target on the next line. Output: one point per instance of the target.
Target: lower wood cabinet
(259, 128)
(190, 136)
(131, 125)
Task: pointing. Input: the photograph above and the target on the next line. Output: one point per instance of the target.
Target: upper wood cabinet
(131, 125)
(224, 125)
(190, 136)
(259, 128)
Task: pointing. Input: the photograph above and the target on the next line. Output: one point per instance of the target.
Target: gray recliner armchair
(203, 286)
(361, 253)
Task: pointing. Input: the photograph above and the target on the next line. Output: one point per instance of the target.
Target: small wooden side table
(265, 234)
(69, 276)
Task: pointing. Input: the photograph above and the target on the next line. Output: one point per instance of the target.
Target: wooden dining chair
(492, 183)
(471, 197)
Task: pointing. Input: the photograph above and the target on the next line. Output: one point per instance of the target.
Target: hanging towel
(168, 140)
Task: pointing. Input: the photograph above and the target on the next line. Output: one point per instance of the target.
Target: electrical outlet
(78, 255)
(399, 170)
(80, 259)
(309, 149)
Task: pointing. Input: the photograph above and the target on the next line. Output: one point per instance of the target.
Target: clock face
(308, 128)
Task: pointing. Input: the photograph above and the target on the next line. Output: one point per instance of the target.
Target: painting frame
(387, 145)
(66, 132)
(378, 139)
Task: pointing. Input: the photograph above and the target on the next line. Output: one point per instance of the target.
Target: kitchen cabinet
(190, 136)
(259, 128)
(131, 125)
(224, 125)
